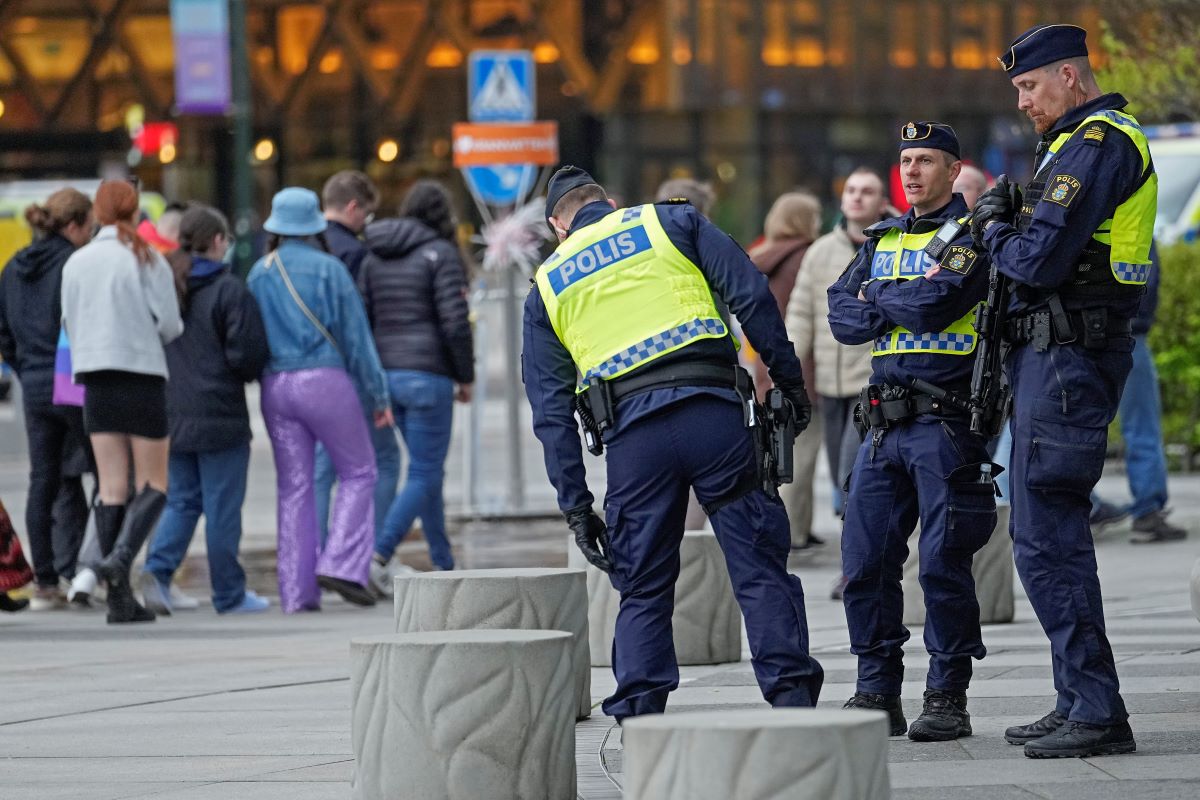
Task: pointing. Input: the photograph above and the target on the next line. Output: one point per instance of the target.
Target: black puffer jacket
(31, 313)
(223, 347)
(415, 290)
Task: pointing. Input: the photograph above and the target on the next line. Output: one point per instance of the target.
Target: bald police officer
(1078, 251)
(630, 307)
(920, 460)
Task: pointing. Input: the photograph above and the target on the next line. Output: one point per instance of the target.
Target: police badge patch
(910, 132)
(1062, 190)
(958, 259)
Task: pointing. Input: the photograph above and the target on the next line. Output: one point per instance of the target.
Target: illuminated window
(384, 58)
(968, 54)
(151, 38)
(808, 52)
(934, 34)
(905, 35)
(681, 50)
(299, 27)
(645, 48)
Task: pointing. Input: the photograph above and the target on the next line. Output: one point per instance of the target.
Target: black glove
(994, 204)
(796, 394)
(591, 537)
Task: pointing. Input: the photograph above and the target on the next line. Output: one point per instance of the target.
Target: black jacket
(346, 245)
(223, 347)
(31, 312)
(415, 290)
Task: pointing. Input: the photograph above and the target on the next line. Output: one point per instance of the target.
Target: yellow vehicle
(15, 196)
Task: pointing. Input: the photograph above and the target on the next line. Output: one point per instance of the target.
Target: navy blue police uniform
(1067, 382)
(663, 442)
(926, 465)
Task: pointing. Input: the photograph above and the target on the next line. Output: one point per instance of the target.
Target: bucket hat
(295, 212)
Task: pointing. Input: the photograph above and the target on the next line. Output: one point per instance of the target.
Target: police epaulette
(1095, 133)
(877, 230)
(674, 201)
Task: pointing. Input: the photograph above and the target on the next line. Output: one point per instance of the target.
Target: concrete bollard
(519, 598)
(1196, 588)
(459, 715)
(717, 755)
(993, 570)
(707, 621)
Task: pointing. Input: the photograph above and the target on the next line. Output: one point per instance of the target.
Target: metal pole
(512, 343)
(243, 199)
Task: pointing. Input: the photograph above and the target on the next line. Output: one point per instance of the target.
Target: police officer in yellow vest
(1078, 252)
(919, 461)
(631, 306)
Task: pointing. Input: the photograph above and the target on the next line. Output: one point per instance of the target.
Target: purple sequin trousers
(301, 408)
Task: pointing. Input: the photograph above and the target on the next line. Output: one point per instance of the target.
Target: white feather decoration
(516, 240)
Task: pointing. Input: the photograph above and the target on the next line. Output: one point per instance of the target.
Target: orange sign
(485, 144)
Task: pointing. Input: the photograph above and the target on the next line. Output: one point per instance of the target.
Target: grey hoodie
(118, 313)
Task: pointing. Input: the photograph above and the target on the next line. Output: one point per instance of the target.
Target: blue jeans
(1140, 417)
(212, 484)
(423, 404)
(387, 465)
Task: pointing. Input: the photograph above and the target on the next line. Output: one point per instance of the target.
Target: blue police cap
(937, 135)
(1042, 45)
(567, 179)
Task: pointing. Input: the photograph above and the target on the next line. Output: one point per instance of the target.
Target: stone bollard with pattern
(524, 598)
(460, 715)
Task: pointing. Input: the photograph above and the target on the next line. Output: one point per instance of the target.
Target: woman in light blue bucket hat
(321, 346)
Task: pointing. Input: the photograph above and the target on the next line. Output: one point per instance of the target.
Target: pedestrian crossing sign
(501, 86)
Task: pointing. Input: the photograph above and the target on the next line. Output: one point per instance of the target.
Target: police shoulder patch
(1094, 133)
(1062, 190)
(675, 201)
(958, 258)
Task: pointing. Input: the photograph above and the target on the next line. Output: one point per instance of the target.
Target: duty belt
(885, 405)
(1091, 328)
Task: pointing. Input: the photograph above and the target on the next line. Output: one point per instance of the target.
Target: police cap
(567, 179)
(1042, 45)
(936, 135)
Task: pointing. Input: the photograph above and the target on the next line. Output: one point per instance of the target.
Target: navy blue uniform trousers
(926, 469)
(701, 443)
(1064, 399)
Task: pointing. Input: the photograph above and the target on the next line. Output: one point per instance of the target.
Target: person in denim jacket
(321, 348)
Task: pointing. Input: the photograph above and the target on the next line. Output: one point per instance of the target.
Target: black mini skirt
(124, 402)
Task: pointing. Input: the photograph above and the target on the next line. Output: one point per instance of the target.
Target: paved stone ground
(200, 706)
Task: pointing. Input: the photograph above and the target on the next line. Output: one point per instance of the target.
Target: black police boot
(1020, 734)
(882, 702)
(1079, 740)
(141, 517)
(943, 718)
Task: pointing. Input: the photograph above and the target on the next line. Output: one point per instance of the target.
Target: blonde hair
(794, 215)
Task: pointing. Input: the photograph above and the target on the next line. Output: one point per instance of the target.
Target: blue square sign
(501, 86)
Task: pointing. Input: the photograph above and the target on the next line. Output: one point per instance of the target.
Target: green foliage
(1153, 62)
(1175, 342)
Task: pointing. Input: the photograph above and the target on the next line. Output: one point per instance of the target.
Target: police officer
(1078, 252)
(919, 460)
(628, 306)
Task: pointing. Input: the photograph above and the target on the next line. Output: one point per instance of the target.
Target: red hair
(117, 204)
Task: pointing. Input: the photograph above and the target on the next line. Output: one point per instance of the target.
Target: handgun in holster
(781, 436)
(595, 408)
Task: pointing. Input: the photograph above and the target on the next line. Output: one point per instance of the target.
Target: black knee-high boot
(141, 517)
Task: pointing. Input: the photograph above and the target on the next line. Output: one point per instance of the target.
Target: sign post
(499, 152)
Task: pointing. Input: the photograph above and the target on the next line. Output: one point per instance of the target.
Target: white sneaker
(383, 575)
(83, 587)
(181, 601)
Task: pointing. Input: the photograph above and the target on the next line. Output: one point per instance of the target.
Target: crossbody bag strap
(287, 280)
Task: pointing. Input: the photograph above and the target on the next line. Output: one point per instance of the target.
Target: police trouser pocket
(971, 512)
(1066, 456)
(618, 541)
(769, 521)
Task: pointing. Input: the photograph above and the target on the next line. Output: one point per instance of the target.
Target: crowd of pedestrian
(134, 343)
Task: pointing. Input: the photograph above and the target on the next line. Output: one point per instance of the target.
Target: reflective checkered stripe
(901, 257)
(656, 345)
(905, 342)
(1131, 273)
